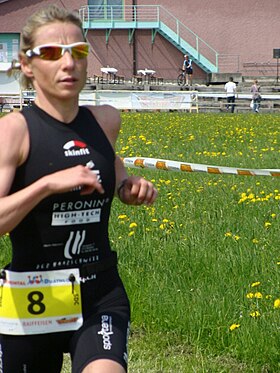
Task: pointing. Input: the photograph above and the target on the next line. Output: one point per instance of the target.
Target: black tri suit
(67, 231)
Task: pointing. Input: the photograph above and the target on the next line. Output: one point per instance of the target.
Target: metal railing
(137, 15)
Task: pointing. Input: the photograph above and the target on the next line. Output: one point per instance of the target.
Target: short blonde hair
(38, 19)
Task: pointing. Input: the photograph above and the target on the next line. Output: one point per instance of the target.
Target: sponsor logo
(74, 243)
(75, 148)
(78, 212)
(79, 205)
(67, 263)
(106, 331)
(76, 217)
(67, 320)
(34, 280)
(91, 165)
(125, 354)
(45, 322)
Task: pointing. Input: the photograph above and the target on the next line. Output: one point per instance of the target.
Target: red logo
(75, 148)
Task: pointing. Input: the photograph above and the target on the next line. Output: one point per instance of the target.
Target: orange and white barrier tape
(166, 165)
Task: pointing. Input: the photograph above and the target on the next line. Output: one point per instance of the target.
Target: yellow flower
(254, 284)
(255, 314)
(254, 240)
(132, 225)
(122, 217)
(234, 326)
(258, 295)
(228, 234)
(277, 303)
(267, 224)
(250, 295)
(131, 233)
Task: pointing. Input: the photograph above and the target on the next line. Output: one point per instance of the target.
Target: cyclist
(187, 70)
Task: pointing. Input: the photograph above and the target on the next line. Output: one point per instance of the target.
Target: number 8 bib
(40, 302)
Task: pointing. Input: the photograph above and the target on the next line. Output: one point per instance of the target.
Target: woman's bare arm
(14, 148)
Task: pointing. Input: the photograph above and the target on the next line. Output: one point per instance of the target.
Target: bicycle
(181, 78)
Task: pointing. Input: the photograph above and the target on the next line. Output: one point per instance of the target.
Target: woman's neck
(63, 110)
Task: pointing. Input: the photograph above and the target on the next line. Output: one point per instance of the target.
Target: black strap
(103, 265)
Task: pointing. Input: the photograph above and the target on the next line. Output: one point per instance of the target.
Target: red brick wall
(247, 29)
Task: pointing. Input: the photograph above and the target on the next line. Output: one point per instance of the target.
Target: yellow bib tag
(40, 302)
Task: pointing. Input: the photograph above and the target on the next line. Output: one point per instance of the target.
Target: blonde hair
(38, 19)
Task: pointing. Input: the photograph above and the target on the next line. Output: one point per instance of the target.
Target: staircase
(155, 18)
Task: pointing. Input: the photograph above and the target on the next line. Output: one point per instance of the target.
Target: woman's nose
(67, 59)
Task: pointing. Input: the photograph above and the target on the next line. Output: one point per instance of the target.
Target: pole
(277, 76)
(134, 41)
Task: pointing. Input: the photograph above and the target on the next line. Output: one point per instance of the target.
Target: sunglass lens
(80, 51)
(50, 53)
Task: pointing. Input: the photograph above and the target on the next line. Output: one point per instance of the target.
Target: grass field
(202, 265)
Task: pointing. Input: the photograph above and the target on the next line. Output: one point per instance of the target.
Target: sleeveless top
(64, 230)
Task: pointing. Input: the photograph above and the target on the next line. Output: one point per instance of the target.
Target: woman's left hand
(136, 190)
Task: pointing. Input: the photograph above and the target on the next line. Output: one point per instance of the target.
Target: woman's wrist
(120, 187)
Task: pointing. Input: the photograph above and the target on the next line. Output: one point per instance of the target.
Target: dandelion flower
(258, 295)
(250, 295)
(277, 303)
(228, 234)
(254, 284)
(234, 326)
(255, 314)
(132, 225)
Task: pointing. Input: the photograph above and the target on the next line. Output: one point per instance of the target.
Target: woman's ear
(26, 66)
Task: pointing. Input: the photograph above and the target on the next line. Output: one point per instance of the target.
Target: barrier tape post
(168, 165)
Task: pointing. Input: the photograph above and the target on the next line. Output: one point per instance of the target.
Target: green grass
(205, 257)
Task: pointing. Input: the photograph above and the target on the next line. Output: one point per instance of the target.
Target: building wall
(249, 29)
(240, 31)
(161, 56)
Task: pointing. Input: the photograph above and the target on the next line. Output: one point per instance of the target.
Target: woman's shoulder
(13, 123)
(109, 119)
(105, 114)
(14, 136)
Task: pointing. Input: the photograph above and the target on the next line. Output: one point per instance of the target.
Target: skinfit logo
(75, 148)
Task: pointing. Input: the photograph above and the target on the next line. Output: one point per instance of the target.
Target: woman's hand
(136, 190)
(74, 178)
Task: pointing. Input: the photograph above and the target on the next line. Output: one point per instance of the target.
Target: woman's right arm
(14, 149)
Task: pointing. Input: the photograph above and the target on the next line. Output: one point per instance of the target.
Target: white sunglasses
(53, 52)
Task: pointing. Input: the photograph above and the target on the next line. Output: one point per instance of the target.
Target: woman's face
(63, 78)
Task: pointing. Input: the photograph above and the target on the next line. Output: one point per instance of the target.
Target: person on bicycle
(187, 70)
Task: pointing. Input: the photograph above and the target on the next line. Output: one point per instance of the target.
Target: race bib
(40, 302)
